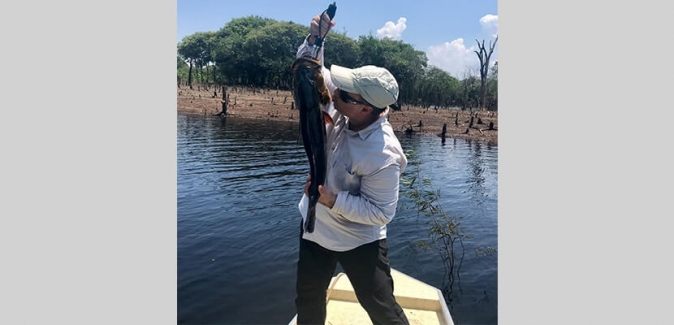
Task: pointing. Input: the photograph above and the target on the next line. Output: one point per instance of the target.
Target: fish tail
(311, 218)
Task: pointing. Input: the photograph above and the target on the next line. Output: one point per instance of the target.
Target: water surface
(239, 182)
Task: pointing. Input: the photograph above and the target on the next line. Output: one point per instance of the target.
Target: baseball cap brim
(343, 78)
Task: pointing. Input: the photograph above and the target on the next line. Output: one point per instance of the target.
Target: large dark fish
(311, 95)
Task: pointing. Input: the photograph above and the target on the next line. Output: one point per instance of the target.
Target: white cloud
(453, 57)
(391, 30)
(489, 25)
(457, 59)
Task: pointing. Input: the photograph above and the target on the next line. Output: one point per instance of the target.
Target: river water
(239, 182)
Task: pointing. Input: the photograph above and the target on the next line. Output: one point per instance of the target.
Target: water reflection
(476, 182)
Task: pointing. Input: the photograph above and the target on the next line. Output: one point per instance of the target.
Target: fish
(311, 95)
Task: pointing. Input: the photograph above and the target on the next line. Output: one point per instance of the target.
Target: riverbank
(277, 105)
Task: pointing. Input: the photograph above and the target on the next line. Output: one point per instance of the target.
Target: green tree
(469, 91)
(209, 42)
(232, 62)
(437, 88)
(268, 53)
(341, 50)
(492, 88)
(181, 63)
(197, 50)
(188, 50)
(182, 70)
(259, 51)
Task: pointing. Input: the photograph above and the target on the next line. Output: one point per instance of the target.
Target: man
(360, 194)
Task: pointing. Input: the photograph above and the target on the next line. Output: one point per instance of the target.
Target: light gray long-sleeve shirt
(364, 171)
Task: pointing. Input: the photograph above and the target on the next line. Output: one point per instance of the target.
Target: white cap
(376, 85)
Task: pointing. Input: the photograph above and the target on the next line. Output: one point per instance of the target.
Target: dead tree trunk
(223, 112)
(484, 69)
(443, 135)
(189, 76)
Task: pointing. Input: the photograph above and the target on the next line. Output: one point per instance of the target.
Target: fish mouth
(310, 70)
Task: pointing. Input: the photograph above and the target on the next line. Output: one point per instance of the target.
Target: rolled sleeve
(305, 49)
(376, 205)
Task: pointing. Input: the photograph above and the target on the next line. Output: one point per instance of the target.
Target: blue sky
(445, 30)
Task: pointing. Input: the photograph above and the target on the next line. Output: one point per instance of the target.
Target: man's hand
(325, 197)
(326, 26)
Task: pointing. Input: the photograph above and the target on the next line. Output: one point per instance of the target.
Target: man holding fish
(359, 195)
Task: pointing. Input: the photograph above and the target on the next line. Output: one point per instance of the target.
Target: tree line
(258, 52)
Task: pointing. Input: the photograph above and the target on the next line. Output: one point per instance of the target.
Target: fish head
(307, 70)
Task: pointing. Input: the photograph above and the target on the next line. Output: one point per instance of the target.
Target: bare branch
(479, 56)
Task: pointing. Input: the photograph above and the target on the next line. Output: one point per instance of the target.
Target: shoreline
(277, 105)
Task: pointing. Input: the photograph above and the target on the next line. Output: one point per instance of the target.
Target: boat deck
(422, 303)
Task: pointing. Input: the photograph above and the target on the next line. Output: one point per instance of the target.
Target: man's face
(350, 105)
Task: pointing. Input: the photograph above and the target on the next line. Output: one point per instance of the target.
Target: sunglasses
(350, 100)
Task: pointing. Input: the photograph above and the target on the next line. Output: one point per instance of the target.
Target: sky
(445, 30)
